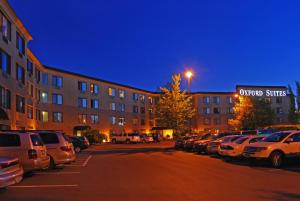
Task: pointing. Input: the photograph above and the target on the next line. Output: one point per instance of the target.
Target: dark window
(20, 104)
(37, 75)
(20, 44)
(29, 68)
(217, 110)
(57, 99)
(142, 110)
(95, 88)
(135, 109)
(20, 74)
(57, 117)
(5, 98)
(10, 140)
(5, 28)
(36, 140)
(49, 138)
(82, 86)
(82, 102)
(45, 79)
(94, 103)
(57, 81)
(5, 63)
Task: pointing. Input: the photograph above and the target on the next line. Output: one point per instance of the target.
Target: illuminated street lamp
(189, 75)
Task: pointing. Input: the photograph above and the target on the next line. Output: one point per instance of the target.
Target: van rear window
(49, 138)
(36, 140)
(10, 140)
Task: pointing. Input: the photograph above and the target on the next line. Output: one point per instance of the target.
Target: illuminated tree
(175, 107)
(252, 113)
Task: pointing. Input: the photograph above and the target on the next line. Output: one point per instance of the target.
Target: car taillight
(32, 154)
(66, 148)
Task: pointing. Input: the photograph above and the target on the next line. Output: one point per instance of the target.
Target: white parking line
(55, 173)
(86, 161)
(45, 186)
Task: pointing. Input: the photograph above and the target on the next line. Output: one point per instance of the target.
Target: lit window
(57, 117)
(206, 110)
(121, 94)
(45, 116)
(142, 98)
(112, 92)
(95, 88)
(113, 120)
(82, 118)
(121, 121)
(44, 97)
(150, 100)
(112, 106)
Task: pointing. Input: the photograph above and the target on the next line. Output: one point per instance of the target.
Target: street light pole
(189, 75)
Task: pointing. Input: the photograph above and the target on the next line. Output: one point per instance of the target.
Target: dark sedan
(78, 144)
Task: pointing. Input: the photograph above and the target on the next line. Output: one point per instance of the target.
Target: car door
(293, 145)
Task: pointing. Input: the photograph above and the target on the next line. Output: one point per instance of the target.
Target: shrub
(94, 136)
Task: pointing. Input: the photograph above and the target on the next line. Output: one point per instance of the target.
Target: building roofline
(97, 79)
(258, 86)
(212, 92)
(17, 20)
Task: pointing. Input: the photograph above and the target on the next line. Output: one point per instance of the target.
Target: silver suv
(27, 147)
(59, 148)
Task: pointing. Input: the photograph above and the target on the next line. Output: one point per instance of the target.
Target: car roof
(18, 133)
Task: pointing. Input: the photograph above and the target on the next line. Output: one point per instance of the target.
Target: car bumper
(11, 177)
(258, 155)
(212, 150)
(38, 164)
(68, 158)
(230, 153)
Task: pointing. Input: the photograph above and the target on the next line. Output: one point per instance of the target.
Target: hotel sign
(260, 92)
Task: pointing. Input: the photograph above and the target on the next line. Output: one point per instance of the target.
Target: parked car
(27, 147)
(11, 172)
(85, 140)
(213, 146)
(200, 146)
(126, 138)
(276, 148)
(78, 144)
(226, 140)
(179, 143)
(146, 138)
(249, 132)
(235, 148)
(59, 148)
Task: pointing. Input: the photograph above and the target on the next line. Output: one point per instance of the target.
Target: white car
(126, 138)
(275, 147)
(236, 148)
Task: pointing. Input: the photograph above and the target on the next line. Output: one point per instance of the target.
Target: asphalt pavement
(156, 172)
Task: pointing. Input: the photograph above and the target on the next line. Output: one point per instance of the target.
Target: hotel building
(36, 96)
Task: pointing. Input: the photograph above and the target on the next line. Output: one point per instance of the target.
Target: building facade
(35, 96)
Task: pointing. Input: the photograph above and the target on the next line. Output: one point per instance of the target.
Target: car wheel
(276, 159)
(52, 163)
(77, 149)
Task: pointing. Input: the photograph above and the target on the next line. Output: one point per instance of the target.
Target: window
(45, 79)
(5, 98)
(296, 137)
(135, 121)
(57, 117)
(29, 68)
(142, 98)
(279, 110)
(278, 100)
(5, 63)
(38, 114)
(44, 97)
(37, 75)
(150, 111)
(217, 121)
(38, 94)
(121, 121)
(95, 119)
(29, 112)
(143, 123)
(230, 100)
(6, 28)
(82, 102)
(20, 74)
(36, 140)
(112, 106)
(217, 110)
(30, 90)
(111, 92)
(268, 100)
(45, 116)
(94, 103)
(113, 120)
(49, 138)
(82, 118)
(95, 88)
(57, 81)
(121, 94)
(230, 110)
(57, 99)
(20, 104)
(217, 100)
(206, 121)
(142, 110)
(150, 100)
(10, 140)
(122, 107)
(82, 86)
(135, 97)
(135, 109)
(206, 100)
(206, 110)
(20, 44)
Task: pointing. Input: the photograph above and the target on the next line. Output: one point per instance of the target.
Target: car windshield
(276, 137)
(36, 140)
(241, 140)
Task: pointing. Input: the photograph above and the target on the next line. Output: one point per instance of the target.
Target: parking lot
(140, 172)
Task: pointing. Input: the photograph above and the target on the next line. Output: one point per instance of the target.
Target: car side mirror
(289, 140)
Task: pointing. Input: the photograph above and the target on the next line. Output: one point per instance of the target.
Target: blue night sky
(142, 43)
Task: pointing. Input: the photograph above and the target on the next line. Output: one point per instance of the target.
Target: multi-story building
(35, 96)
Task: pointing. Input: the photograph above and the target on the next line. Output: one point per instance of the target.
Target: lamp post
(189, 75)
